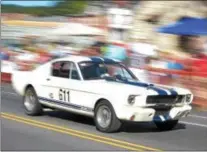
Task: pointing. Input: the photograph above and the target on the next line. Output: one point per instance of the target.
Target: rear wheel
(105, 118)
(31, 104)
(167, 125)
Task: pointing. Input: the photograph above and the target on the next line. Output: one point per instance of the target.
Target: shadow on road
(128, 127)
(145, 127)
(70, 117)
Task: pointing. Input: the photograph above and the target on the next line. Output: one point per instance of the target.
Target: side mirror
(119, 77)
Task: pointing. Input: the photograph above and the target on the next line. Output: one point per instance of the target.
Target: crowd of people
(146, 61)
(136, 55)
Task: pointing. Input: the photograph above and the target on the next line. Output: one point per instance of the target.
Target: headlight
(131, 99)
(188, 98)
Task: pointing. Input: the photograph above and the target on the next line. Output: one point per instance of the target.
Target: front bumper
(144, 114)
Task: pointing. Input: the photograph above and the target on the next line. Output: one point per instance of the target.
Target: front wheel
(31, 104)
(105, 118)
(167, 125)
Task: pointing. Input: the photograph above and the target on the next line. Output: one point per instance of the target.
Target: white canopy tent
(76, 29)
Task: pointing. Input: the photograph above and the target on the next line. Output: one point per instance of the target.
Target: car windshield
(99, 70)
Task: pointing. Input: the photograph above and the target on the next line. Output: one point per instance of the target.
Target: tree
(62, 8)
(70, 7)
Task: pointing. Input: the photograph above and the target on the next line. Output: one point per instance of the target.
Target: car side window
(123, 73)
(55, 69)
(74, 72)
(61, 69)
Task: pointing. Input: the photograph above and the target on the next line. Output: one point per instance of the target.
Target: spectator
(4, 56)
(174, 65)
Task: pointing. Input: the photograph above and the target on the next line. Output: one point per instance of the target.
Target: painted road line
(88, 134)
(69, 133)
(194, 124)
(81, 134)
(197, 116)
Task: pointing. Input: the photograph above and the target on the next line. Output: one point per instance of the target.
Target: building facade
(119, 16)
(153, 14)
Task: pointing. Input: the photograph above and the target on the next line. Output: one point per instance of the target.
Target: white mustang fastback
(103, 89)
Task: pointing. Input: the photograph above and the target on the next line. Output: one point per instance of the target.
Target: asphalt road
(59, 131)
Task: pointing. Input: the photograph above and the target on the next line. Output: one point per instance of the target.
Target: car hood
(133, 87)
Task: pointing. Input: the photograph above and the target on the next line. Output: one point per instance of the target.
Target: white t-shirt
(145, 49)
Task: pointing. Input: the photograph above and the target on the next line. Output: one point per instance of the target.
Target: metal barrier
(196, 82)
(5, 77)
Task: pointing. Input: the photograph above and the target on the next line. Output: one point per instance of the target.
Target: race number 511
(64, 95)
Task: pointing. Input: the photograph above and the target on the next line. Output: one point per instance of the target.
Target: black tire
(167, 125)
(115, 123)
(37, 108)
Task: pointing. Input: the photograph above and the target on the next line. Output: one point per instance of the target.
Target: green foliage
(62, 8)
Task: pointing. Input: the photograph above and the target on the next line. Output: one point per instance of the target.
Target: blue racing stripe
(96, 59)
(167, 117)
(139, 84)
(148, 86)
(65, 104)
(60, 103)
(159, 91)
(100, 59)
(172, 91)
(157, 119)
(107, 60)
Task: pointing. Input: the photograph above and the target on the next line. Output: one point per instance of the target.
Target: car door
(56, 89)
(65, 87)
(79, 94)
(84, 93)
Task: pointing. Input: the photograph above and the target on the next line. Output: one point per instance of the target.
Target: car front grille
(164, 99)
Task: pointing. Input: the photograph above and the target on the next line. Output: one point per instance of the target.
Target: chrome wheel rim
(104, 116)
(29, 101)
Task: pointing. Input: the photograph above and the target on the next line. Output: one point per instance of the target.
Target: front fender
(116, 101)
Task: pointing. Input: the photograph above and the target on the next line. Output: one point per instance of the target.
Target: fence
(196, 82)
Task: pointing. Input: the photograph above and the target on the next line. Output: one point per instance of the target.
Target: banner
(7, 66)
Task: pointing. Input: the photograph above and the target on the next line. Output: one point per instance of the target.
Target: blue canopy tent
(186, 26)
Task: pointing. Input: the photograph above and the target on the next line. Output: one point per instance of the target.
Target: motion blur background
(34, 32)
